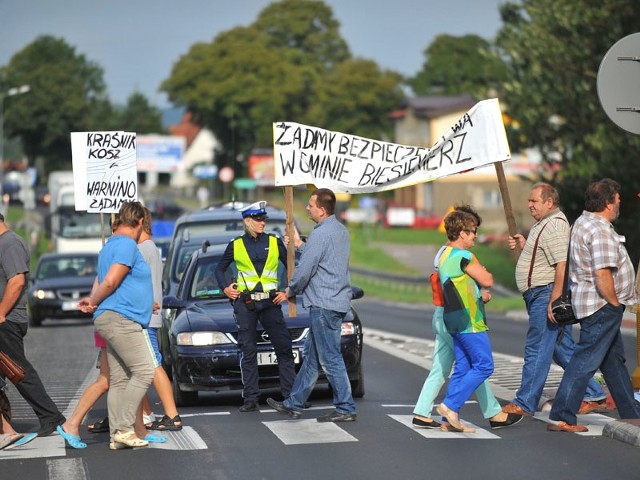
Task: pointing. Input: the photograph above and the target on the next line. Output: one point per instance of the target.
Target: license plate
(67, 306)
(269, 358)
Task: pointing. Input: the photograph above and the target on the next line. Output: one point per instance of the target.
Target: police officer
(255, 297)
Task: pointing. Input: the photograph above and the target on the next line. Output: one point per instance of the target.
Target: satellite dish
(619, 83)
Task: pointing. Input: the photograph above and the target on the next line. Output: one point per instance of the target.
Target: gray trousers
(131, 367)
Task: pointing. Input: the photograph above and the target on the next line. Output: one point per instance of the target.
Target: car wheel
(357, 386)
(182, 398)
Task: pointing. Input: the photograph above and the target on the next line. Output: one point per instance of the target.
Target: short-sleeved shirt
(133, 298)
(595, 245)
(151, 255)
(463, 305)
(553, 233)
(14, 260)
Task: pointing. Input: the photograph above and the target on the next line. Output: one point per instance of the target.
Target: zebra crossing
(505, 381)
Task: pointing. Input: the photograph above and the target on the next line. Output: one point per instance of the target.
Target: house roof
(434, 106)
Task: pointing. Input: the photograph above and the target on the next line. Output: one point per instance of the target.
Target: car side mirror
(171, 301)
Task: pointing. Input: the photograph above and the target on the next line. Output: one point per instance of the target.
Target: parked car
(60, 280)
(199, 338)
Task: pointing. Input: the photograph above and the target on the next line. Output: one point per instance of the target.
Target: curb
(627, 431)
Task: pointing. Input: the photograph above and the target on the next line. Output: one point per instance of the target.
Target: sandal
(7, 439)
(128, 439)
(165, 423)
(72, 440)
(153, 438)
(99, 427)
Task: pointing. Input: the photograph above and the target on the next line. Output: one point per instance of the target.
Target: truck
(72, 230)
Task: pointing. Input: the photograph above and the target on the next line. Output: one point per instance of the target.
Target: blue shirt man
(322, 277)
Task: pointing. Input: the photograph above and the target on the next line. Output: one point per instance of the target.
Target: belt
(260, 296)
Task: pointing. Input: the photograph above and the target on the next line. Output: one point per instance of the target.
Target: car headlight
(44, 294)
(201, 339)
(348, 328)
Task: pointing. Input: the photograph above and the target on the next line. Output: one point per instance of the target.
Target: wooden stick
(291, 248)
(506, 202)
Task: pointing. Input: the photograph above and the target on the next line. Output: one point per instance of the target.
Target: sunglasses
(474, 231)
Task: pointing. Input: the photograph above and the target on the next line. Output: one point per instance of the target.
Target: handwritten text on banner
(350, 164)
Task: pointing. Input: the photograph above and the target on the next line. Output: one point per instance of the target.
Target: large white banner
(104, 170)
(350, 164)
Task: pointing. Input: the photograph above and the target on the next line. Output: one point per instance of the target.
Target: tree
(356, 98)
(280, 69)
(66, 89)
(553, 51)
(139, 116)
(458, 65)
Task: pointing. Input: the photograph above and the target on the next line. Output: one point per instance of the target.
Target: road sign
(205, 171)
(226, 174)
(619, 83)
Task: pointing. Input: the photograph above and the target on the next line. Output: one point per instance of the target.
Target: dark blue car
(199, 340)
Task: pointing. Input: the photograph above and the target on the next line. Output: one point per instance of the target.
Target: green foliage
(139, 116)
(290, 65)
(458, 65)
(553, 51)
(65, 88)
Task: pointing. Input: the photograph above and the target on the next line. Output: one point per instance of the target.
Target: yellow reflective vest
(248, 278)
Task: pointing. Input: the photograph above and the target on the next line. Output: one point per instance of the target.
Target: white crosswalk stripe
(298, 432)
(479, 434)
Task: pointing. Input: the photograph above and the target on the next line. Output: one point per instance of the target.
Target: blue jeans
(474, 364)
(541, 346)
(600, 347)
(442, 363)
(323, 351)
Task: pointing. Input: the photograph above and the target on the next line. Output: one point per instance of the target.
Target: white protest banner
(351, 164)
(104, 170)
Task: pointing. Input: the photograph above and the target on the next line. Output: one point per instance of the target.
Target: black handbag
(561, 306)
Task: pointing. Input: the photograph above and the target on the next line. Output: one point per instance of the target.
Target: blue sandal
(153, 438)
(72, 440)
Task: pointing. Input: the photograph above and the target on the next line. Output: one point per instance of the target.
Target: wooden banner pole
(506, 202)
(291, 248)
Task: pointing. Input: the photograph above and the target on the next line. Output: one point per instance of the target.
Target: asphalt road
(221, 443)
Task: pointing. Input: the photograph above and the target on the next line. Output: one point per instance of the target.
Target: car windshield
(211, 227)
(204, 283)
(76, 224)
(81, 266)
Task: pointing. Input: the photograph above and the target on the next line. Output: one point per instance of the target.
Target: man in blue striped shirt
(322, 277)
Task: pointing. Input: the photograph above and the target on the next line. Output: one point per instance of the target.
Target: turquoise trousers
(442, 364)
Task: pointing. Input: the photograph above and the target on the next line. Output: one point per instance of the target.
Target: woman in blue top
(122, 303)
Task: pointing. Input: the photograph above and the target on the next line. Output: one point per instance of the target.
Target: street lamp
(9, 93)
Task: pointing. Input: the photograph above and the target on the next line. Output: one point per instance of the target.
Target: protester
(122, 305)
(255, 298)
(14, 323)
(442, 363)
(602, 283)
(322, 277)
(539, 277)
(462, 276)
(171, 420)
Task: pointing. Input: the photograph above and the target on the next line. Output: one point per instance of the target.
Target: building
(421, 122)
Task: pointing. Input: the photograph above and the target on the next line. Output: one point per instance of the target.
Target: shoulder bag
(561, 307)
(10, 369)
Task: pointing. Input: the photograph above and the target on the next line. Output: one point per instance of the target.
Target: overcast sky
(137, 42)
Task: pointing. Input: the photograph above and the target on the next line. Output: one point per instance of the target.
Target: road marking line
(66, 469)
(479, 434)
(300, 432)
(40, 447)
(595, 422)
(185, 439)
